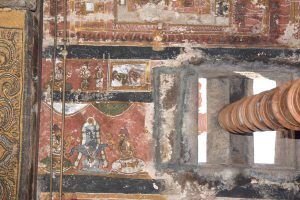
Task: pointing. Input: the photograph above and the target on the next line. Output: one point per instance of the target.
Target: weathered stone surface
(218, 140)
(167, 99)
(189, 132)
(242, 149)
(242, 146)
(285, 151)
(22, 4)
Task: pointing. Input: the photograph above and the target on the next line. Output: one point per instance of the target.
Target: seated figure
(127, 164)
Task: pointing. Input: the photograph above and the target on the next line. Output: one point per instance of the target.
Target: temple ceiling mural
(104, 61)
(98, 143)
(204, 23)
(119, 99)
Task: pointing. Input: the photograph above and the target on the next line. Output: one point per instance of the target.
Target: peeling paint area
(187, 56)
(289, 37)
(132, 111)
(168, 102)
(161, 12)
(203, 23)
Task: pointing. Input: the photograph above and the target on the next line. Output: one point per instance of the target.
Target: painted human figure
(125, 148)
(222, 8)
(134, 77)
(91, 151)
(56, 152)
(56, 139)
(128, 163)
(119, 79)
(47, 93)
(99, 77)
(59, 73)
(85, 75)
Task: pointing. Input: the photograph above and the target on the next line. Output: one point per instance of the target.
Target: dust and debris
(187, 56)
(293, 59)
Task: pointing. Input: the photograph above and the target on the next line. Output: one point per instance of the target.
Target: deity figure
(59, 75)
(127, 164)
(56, 147)
(99, 77)
(47, 93)
(135, 77)
(85, 75)
(222, 8)
(125, 147)
(56, 152)
(91, 152)
(119, 79)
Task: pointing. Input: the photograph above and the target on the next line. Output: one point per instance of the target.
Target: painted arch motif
(97, 143)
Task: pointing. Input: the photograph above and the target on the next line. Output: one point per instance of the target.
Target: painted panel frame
(129, 76)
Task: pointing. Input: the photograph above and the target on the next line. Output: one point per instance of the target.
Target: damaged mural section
(108, 138)
(136, 129)
(143, 92)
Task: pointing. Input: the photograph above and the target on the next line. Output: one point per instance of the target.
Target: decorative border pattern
(11, 97)
(295, 15)
(251, 24)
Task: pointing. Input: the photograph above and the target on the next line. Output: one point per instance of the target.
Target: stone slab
(21, 4)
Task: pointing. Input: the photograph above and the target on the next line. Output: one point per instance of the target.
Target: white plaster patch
(193, 190)
(227, 174)
(149, 119)
(161, 12)
(91, 17)
(187, 55)
(70, 108)
(252, 75)
(288, 37)
(155, 186)
(167, 82)
(178, 29)
(167, 129)
(258, 4)
(89, 6)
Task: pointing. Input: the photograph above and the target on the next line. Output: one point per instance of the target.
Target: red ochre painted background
(133, 119)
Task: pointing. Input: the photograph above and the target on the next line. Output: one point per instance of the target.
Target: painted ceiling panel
(214, 23)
